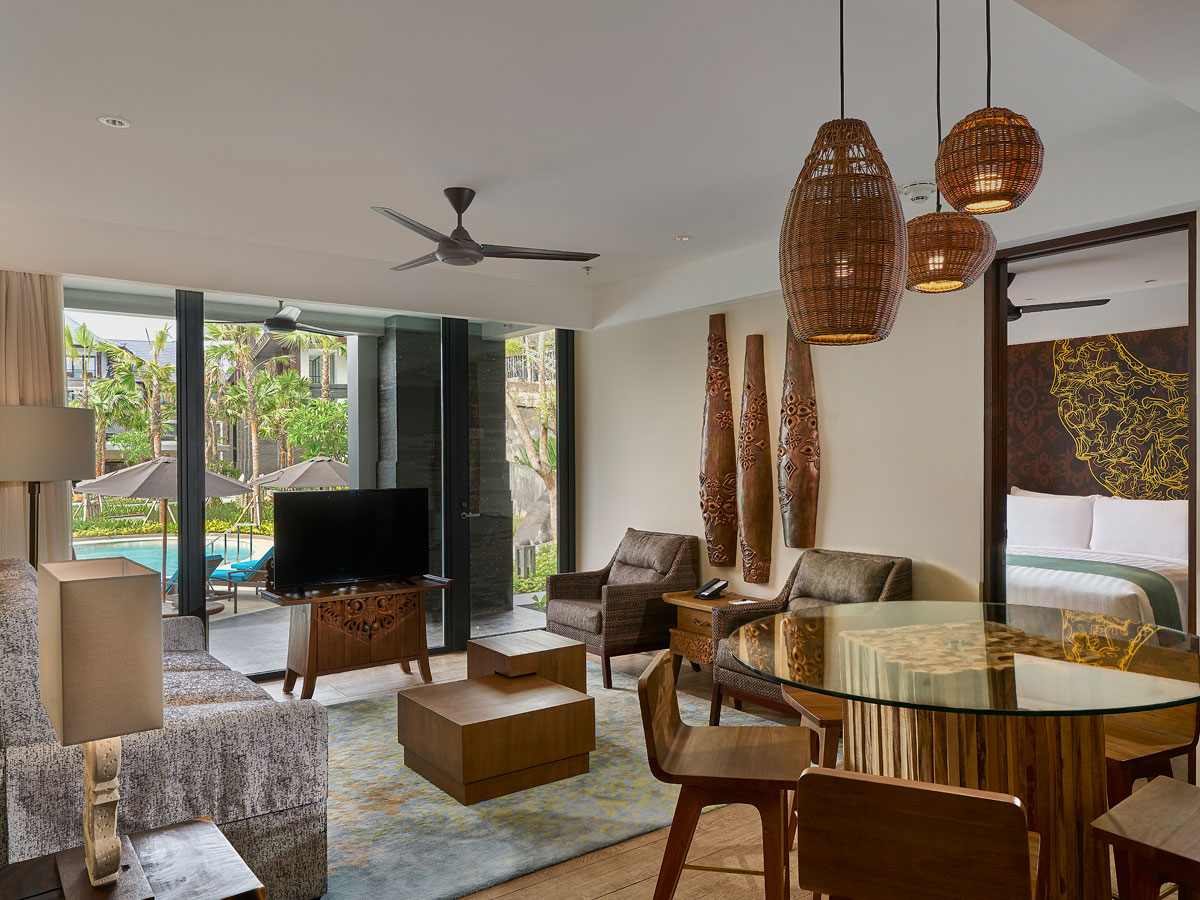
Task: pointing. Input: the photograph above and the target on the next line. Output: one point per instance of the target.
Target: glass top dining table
(982, 658)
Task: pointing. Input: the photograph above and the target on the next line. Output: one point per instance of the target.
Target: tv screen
(340, 537)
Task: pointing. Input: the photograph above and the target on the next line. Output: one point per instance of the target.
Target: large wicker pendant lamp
(990, 162)
(843, 248)
(947, 251)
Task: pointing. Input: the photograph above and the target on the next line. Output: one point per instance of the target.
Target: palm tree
(83, 347)
(153, 380)
(113, 404)
(281, 396)
(242, 344)
(329, 346)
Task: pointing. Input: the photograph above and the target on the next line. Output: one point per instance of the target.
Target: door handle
(467, 515)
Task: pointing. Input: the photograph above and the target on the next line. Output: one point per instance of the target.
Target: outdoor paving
(257, 641)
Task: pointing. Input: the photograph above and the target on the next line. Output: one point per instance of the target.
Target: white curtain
(33, 373)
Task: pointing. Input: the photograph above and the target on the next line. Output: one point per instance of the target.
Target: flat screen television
(342, 537)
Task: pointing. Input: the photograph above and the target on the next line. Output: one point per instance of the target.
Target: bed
(1126, 558)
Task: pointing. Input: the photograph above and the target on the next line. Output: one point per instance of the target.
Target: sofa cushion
(582, 615)
(202, 687)
(623, 573)
(840, 579)
(648, 550)
(191, 661)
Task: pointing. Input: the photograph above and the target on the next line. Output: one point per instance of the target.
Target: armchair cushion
(840, 578)
(798, 603)
(584, 615)
(647, 550)
(623, 573)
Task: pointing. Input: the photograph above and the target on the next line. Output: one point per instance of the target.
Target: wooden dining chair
(753, 764)
(822, 716)
(865, 837)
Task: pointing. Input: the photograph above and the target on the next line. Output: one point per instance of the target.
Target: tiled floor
(257, 641)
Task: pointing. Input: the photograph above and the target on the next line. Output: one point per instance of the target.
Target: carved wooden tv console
(357, 627)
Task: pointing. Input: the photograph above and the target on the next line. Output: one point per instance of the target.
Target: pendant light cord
(938, 92)
(988, 28)
(842, 52)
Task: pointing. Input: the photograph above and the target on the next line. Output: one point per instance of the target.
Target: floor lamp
(45, 443)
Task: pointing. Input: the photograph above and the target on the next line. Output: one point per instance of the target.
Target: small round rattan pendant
(947, 251)
(843, 246)
(990, 162)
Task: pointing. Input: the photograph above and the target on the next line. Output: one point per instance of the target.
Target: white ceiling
(263, 132)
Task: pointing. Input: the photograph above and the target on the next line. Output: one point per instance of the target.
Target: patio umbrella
(318, 472)
(158, 479)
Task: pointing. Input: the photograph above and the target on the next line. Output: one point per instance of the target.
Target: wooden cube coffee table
(486, 737)
(553, 657)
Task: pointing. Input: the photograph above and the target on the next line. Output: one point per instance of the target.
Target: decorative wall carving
(718, 472)
(754, 469)
(799, 455)
(1105, 414)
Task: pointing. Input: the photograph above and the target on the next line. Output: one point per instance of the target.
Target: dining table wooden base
(1054, 764)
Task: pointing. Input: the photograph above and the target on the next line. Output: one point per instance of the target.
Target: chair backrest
(660, 713)
(864, 837)
(644, 557)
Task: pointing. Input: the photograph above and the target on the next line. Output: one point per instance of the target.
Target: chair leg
(1143, 880)
(1120, 786)
(676, 665)
(737, 703)
(714, 711)
(679, 841)
(606, 667)
(776, 831)
(695, 665)
(830, 741)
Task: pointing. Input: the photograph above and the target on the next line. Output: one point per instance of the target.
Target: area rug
(393, 834)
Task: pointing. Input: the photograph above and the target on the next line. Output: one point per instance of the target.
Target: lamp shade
(100, 648)
(990, 162)
(947, 251)
(843, 247)
(47, 443)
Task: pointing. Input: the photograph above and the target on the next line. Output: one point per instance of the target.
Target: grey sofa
(819, 578)
(257, 767)
(619, 609)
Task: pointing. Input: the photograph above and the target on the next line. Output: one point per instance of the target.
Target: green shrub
(546, 564)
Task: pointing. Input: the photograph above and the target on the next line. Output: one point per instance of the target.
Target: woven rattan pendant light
(947, 251)
(990, 162)
(843, 247)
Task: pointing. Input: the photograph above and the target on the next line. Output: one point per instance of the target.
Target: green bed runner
(1159, 591)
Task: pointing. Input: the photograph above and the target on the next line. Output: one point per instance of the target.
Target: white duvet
(1090, 592)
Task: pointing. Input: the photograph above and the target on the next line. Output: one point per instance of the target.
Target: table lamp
(101, 675)
(45, 443)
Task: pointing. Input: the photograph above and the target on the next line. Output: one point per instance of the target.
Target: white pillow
(1144, 527)
(1061, 522)
(1021, 492)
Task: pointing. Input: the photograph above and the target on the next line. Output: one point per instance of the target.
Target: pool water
(148, 551)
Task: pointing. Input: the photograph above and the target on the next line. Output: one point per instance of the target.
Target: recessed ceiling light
(1151, 280)
(113, 121)
(683, 237)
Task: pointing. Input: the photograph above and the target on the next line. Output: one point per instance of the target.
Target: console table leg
(289, 681)
(310, 685)
(423, 664)
(407, 669)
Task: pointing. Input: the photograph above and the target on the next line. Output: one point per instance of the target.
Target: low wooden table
(189, 861)
(485, 737)
(692, 634)
(358, 627)
(555, 658)
(211, 608)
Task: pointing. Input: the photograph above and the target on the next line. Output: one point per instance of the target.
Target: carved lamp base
(101, 843)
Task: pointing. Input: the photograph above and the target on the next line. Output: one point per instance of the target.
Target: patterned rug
(392, 834)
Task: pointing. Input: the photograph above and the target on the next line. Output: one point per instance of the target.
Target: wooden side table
(189, 861)
(357, 627)
(692, 634)
(552, 656)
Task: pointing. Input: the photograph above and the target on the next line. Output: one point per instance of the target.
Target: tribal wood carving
(368, 618)
(799, 454)
(754, 469)
(718, 472)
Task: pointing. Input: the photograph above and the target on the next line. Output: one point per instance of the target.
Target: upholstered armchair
(819, 578)
(619, 609)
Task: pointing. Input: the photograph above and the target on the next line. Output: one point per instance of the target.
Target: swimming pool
(148, 551)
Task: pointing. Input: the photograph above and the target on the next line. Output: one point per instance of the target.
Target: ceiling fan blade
(315, 330)
(1069, 304)
(413, 263)
(413, 224)
(503, 251)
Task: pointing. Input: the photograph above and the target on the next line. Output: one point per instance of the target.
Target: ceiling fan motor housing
(456, 254)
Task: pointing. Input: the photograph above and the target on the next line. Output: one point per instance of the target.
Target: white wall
(901, 425)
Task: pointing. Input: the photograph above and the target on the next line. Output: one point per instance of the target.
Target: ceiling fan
(460, 249)
(285, 321)
(1015, 312)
